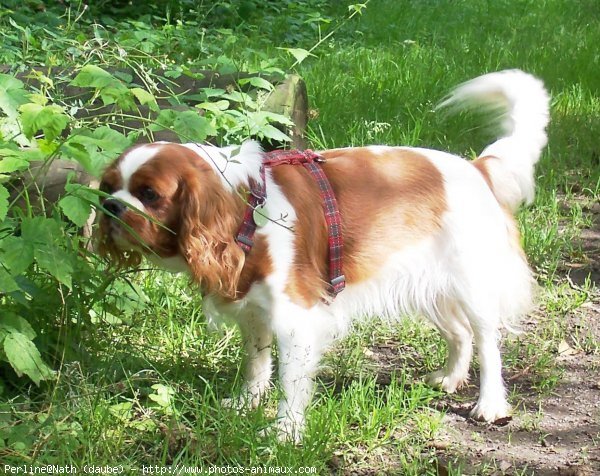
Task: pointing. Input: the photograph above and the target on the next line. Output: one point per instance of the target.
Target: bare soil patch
(554, 434)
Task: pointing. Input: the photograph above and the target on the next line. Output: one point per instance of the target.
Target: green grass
(146, 389)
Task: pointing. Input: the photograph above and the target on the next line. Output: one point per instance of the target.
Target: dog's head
(165, 201)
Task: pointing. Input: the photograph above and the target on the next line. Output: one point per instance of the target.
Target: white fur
(234, 165)
(524, 113)
(134, 159)
(125, 196)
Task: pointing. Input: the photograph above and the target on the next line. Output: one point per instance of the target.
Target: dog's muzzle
(114, 207)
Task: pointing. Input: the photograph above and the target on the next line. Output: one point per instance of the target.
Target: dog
(424, 233)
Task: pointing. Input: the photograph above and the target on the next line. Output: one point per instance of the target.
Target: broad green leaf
(76, 209)
(144, 97)
(192, 74)
(7, 282)
(123, 411)
(165, 120)
(56, 261)
(163, 396)
(174, 74)
(38, 99)
(50, 119)
(3, 202)
(25, 358)
(238, 96)
(214, 107)
(126, 77)
(266, 117)
(104, 137)
(11, 322)
(12, 95)
(190, 126)
(40, 153)
(79, 153)
(91, 76)
(111, 140)
(41, 230)
(121, 96)
(212, 92)
(95, 149)
(257, 82)
(16, 254)
(12, 164)
(270, 132)
(299, 54)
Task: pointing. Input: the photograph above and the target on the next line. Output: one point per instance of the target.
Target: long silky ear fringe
(206, 239)
(216, 266)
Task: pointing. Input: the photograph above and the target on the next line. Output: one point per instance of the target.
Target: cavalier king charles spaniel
(424, 232)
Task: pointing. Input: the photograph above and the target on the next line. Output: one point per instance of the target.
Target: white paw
(448, 383)
(236, 404)
(287, 431)
(491, 410)
(242, 403)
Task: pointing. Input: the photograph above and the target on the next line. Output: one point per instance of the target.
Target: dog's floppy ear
(206, 236)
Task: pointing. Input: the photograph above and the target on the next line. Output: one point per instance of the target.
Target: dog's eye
(148, 195)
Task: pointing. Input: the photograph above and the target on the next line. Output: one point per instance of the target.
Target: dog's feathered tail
(523, 105)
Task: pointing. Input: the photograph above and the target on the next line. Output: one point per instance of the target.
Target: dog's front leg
(302, 338)
(257, 338)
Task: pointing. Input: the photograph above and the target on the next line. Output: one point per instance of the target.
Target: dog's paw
(241, 404)
(285, 429)
(236, 404)
(448, 383)
(289, 431)
(491, 410)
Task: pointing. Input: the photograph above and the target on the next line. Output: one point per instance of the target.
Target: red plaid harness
(258, 197)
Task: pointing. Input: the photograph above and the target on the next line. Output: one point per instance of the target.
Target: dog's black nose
(114, 206)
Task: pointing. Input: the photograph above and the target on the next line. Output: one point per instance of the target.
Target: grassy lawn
(144, 389)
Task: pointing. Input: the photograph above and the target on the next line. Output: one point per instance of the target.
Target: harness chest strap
(310, 160)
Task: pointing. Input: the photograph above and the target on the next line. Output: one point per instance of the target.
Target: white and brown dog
(425, 233)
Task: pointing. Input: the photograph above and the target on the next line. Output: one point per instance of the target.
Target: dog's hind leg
(456, 330)
(492, 403)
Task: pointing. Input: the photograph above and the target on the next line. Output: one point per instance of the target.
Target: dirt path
(558, 434)
(554, 435)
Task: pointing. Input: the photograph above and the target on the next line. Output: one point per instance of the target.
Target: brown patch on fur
(310, 267)
(257, 267)
(481, 164)
(387, 201)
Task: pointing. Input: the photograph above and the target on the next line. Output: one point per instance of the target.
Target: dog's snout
(114, 207)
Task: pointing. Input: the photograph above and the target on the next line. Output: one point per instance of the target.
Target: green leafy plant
(40, 244)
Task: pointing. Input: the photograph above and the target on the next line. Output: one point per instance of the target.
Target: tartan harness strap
(258, 196)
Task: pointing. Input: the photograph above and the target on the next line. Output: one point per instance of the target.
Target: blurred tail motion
(523, 102)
